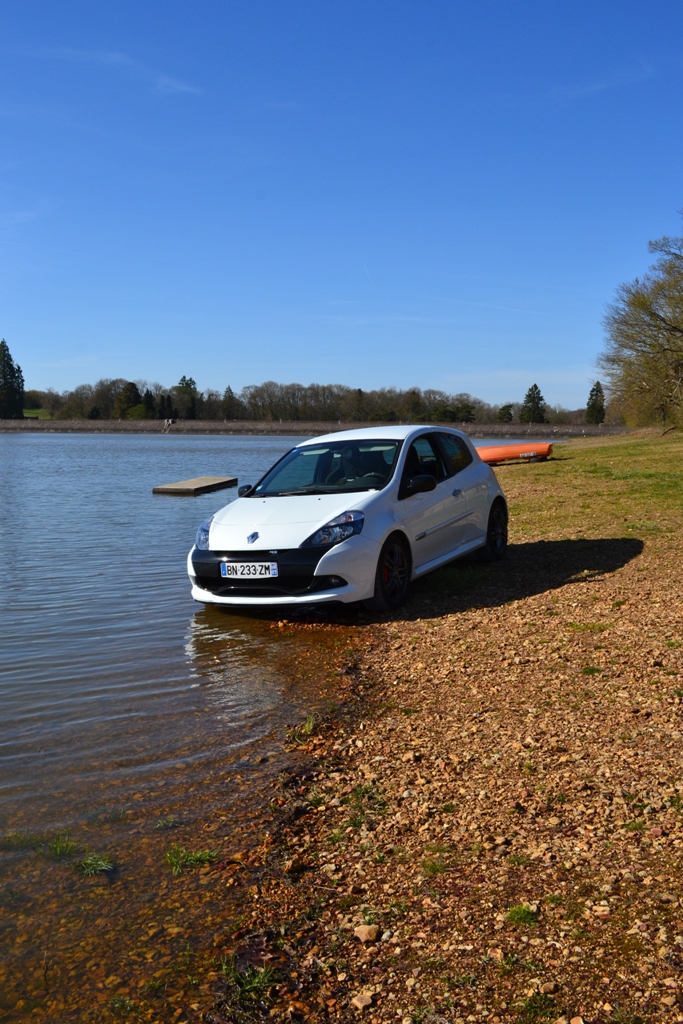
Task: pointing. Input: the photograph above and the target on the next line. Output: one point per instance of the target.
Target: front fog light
(202, 540)
(337, 530)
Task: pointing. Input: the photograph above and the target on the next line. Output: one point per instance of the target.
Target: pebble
(362, 1000)
(366, 932)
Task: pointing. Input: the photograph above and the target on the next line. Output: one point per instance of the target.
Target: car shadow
(527, 569)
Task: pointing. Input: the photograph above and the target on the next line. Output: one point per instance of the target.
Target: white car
(353, 516)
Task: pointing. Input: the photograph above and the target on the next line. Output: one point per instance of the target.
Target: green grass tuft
(93, 864)
(252, 984)
(61, 846)
(179, 858)
(537, 1007)
(432, 866)
(522, 916)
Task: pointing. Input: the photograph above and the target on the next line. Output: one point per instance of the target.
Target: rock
(366, 932)
(296, 864)
(387, 935)
(576, 1020)
(362, 1000)
(548, 987)
(669, 1000)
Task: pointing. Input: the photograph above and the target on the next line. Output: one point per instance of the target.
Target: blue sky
(436, 193)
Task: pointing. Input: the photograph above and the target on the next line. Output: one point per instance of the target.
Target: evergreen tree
(533, 406)
(185, 392)
(11, 386)
(595, 407)
(505, 413)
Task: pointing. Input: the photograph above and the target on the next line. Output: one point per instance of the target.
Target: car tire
(392, 578)
(496, 533)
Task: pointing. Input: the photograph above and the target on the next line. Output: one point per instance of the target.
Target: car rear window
(456, 453)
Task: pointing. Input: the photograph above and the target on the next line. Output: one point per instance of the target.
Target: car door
(430, 519)
(466, 477)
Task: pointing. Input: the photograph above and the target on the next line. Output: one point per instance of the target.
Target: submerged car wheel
(392, 579)
(497, 533)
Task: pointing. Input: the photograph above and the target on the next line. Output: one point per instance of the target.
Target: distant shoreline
(293, 428)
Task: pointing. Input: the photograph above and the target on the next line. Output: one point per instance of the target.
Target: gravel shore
(491, 829)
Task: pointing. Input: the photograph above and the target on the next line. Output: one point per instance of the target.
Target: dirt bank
(493, 831)
(292, 428)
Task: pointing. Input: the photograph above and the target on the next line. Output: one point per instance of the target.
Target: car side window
(423, 457)
(456, 453)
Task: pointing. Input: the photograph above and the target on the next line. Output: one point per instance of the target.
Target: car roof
(400, 432)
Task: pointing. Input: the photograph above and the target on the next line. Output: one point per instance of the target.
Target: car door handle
(457, 491)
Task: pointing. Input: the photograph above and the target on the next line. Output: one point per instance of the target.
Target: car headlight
(341, 528)
(202, 541)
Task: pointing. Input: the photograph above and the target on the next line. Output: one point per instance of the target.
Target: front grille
(281, 586)
(296, 573)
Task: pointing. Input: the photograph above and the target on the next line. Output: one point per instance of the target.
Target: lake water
(110, 675)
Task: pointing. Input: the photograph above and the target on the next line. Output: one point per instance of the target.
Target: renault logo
(252, 537)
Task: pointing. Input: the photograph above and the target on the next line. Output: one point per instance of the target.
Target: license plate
(248, 570)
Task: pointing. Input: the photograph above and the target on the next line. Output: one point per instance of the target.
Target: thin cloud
(122, 63)
(607, 83)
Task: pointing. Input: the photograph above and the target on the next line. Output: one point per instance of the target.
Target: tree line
(134, 400)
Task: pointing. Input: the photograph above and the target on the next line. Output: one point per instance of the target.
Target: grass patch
(93, 864)
(637, 825)
(591, 670)
(301, 732)
(20, 841)
(448, 809)
(432, 866)
(522, 916)
(537, 1007)
(518, 860)
(252, 984)
(589, 627)
(121, 1006)
(178, 858)
(60, 846)
(167, 823)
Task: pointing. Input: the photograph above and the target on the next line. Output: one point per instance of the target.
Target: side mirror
(244, 489)
(419, 484)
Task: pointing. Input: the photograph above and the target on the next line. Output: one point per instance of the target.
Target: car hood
(280, 522)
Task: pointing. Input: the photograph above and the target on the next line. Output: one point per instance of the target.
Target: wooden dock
(197, 485)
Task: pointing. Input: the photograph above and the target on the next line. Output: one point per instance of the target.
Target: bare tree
(643, 358)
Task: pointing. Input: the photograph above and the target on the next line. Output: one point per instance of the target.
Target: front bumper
(345, 572)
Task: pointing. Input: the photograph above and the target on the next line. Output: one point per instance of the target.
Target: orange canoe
(529, 452)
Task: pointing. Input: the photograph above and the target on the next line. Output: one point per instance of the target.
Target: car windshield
(331, 468)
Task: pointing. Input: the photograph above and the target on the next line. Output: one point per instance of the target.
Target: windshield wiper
(300, 490)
